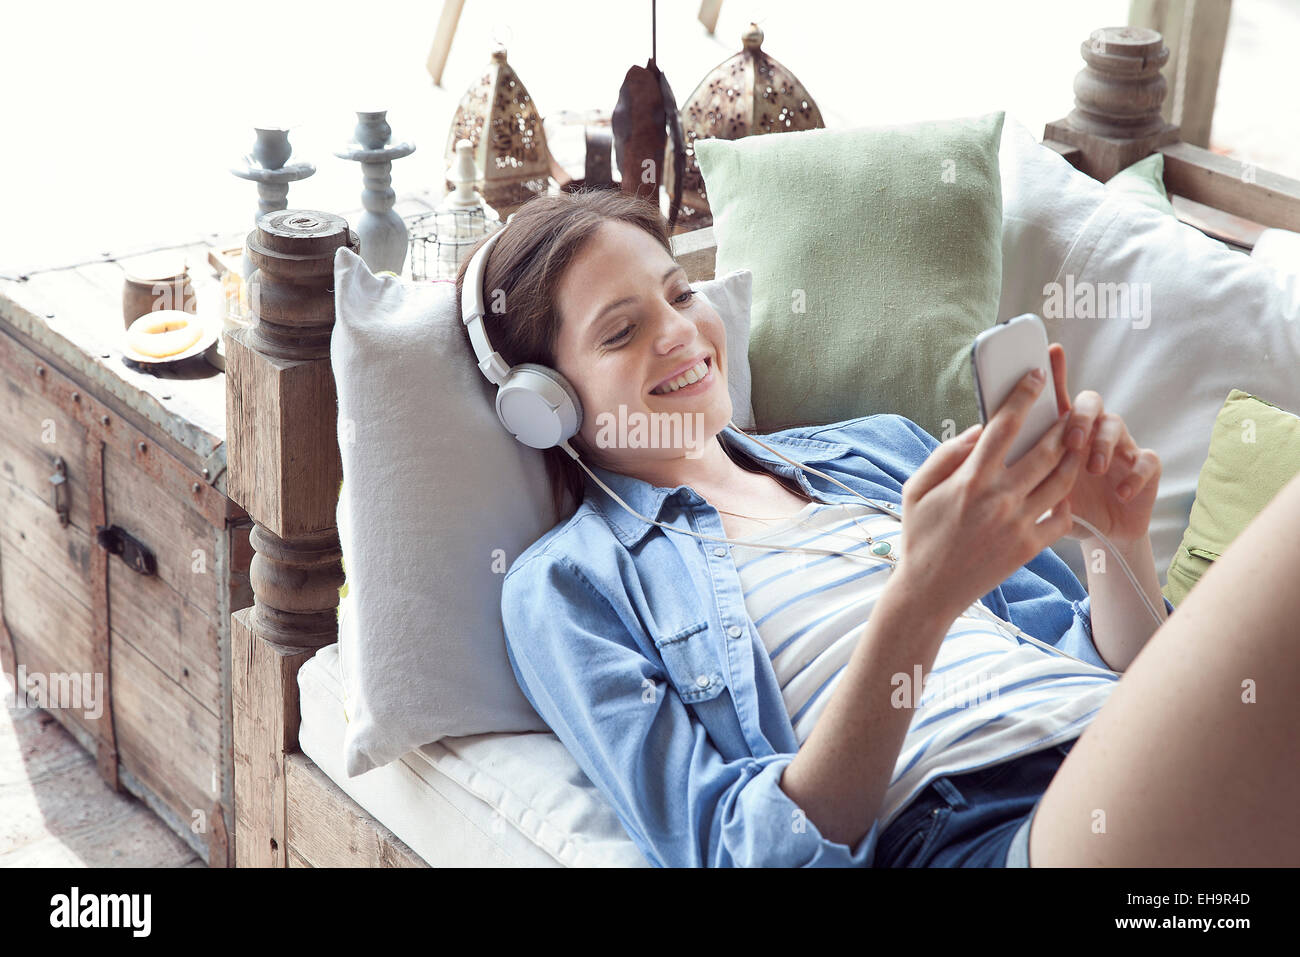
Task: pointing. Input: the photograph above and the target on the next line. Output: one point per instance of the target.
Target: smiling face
(630, 323)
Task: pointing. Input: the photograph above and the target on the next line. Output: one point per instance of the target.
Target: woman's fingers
(1056, 353)
(1056, 486)
(1005, 423)
(1110, 433)
(1144, 472)
(941, 463)
(1032, 468)
(1087, 409)
(1057, 525)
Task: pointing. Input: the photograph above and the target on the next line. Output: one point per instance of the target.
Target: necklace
(881, 549)
(754, 518)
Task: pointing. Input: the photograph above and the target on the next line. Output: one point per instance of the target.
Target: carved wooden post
(1116, 120)
(284, 468)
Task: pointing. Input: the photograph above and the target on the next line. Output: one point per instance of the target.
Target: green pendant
(880, 548)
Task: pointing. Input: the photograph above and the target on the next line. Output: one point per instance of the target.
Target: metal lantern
(512, 161)
(746, 94)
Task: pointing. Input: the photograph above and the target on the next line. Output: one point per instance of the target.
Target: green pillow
(1144, 181)
(877, 259)
(1254, 452)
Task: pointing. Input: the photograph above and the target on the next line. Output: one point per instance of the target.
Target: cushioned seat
(501, 799)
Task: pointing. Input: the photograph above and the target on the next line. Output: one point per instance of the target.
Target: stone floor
(55, 810)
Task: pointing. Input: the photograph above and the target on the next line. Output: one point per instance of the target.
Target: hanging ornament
(644, 120)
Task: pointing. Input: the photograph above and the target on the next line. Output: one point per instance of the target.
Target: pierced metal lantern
(512, 160)
(746, 94)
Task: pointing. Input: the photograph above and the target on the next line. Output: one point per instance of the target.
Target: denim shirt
(635, 646)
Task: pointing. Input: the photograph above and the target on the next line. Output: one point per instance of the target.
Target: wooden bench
(285, 469)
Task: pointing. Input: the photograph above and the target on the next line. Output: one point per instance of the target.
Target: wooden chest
(121, 559)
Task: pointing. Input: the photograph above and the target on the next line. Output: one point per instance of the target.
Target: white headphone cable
(822, 551)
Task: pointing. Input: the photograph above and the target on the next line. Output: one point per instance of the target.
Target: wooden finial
(1116, 120)
(291, 292)
(1120, 91)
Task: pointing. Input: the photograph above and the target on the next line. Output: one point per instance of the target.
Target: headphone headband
(535, 403)
(472, 309)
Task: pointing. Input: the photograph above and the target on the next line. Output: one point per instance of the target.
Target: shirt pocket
(691, 664)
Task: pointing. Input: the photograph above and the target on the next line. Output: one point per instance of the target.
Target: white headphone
(539, 407)
(534, 402)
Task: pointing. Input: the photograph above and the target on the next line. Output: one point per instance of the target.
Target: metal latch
(60, 482)
(117, 541)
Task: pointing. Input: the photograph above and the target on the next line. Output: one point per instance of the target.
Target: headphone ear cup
(538, 406)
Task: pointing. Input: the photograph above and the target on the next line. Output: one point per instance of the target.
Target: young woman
(749, 704)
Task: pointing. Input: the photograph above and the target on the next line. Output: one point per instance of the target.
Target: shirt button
(734, 631)
(720, 552)
(702, 681)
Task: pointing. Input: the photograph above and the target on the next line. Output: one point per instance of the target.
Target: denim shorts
(978, 819)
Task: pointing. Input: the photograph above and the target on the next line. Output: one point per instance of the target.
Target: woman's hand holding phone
(971, 519)
(1118, 494)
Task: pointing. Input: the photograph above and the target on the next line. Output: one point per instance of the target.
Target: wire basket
(441, 239)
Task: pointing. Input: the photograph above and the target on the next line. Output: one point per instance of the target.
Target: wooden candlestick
(265, 167)
(383, 232)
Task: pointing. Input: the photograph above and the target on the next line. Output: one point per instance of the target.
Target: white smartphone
(1000, 357)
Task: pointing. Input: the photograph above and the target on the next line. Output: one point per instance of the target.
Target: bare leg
(1181, 767)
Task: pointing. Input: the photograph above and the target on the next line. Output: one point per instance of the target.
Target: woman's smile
(695, 388)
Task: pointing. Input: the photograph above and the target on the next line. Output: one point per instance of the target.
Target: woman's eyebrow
(676, 267)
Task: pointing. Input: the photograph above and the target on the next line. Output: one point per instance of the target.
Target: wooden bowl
(152, 292)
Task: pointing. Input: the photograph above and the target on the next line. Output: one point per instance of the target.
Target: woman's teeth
(688, 377)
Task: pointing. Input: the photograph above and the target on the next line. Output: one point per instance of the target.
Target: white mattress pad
(499, 799)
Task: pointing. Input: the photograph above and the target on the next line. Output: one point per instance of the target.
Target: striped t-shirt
(990, 696)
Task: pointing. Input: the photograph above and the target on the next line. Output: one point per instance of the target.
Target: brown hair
(526, 265)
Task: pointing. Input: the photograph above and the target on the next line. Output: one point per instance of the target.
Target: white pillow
(437, 501)
(1217, 320)
(1280, 248)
